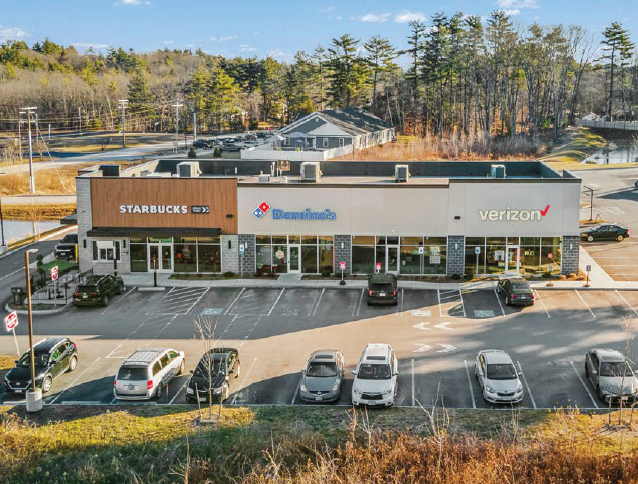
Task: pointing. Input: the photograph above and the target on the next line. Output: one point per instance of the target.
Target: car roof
(377, 352)
(503, 277)
(47, 344)
(381, 278)
(496, 357)
(324, 355)
(144, 357)
(94, 279)
(609, 354)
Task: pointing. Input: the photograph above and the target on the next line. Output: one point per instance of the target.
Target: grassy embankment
(161, 444)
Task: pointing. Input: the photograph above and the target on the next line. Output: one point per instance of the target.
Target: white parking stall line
(178, 392)
(314, 312)
(399, 309)
(182, 298)
(469, 382)
(627, 302)
(413, 399)
(542, 302)
(584, 385)
(112, 401)
(14, 272)
(197, 301)
(438, 295)
(117, 301)
(73, 382)
(586, 305)
(294, 397)
(529, 391)
(235, 300)
(462, 303)
(243, 381)
(276, 301)
(169, 292)
(498, 299)
(360, 302)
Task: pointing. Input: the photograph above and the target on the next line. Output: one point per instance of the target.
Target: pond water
(20, 229)
(622, 154)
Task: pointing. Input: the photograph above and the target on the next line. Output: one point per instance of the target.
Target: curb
(151, 289)
(42, 312)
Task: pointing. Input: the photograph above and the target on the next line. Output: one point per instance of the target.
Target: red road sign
(11, 321)
(54, 273)
(378, 266)
(550, 255)
(342, 265)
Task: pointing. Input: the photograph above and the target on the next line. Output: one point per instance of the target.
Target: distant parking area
(435, 334)
(618, 259)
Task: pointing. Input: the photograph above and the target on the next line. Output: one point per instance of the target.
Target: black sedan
(220, 367)
(605, 232)
(52, 357)
(515, 291)
(382, 289)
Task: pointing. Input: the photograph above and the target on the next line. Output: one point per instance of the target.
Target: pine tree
(140, 98)
(349, 74)
(381, 54)
(617, 48)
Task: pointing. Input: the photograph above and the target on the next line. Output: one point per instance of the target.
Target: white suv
(144, 374)
(375, 381)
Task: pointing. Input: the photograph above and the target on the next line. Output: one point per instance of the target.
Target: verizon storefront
(427, 226)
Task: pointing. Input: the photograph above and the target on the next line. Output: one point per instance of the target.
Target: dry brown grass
(38, 212)
(455, 147)
(54, 181)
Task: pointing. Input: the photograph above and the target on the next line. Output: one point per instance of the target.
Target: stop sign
(54, 273)
(11, 321)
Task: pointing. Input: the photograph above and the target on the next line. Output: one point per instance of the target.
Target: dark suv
(98, 290)
(516, 291)
(65, 249)
(52, 357)
(222, 366)
(382, 289)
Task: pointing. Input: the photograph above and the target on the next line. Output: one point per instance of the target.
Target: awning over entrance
(153, 232)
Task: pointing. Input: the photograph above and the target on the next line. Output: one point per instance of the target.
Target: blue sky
(276, 27)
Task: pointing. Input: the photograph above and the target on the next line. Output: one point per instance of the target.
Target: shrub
(192, 153)
(217, 153)
(229, 274)
(456, 277)
(326, 273)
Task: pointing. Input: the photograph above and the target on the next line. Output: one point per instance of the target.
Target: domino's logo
(261, 210)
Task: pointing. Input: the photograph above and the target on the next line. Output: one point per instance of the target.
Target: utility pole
(194, 126)
(3, 246)
(49, 131)
(123, 104)
(31, 174)
(80, 118)
(20, 133)
(177, 105)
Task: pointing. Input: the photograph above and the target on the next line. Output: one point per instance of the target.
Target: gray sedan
(321, 380)
(610, 374)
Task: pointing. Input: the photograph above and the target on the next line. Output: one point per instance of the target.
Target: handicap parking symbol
(212, 311)
(483, 313)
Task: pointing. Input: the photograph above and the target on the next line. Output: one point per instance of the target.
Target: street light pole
(177, 105)
(123, 104)
(31, 174)
(3, 247)
(194, 125)
(34, 395)
(20, 113)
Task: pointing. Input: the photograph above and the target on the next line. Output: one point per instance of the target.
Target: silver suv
(145, 373)
(498, 377)
(609, 372)
(375, 378)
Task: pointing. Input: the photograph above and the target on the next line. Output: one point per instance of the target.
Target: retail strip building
(444, 218)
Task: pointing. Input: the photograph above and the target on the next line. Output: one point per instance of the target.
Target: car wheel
(620, 238)
(586, 370)
(120, 289)
(590, 238)
(600, 394)
(160, 390)
(181, 367)
(105, 300)
(636, 184)
(73, 363)
(47, 383)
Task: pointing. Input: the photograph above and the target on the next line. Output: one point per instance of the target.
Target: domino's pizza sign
(305, 214)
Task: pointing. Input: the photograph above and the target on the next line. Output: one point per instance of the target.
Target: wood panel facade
(112, 199)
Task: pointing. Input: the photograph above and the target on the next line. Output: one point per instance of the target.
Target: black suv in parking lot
(516, 291)
(98, 290)
(382, 289)
(65, 249)
(222, 364)
(605, 232)
(52, 357)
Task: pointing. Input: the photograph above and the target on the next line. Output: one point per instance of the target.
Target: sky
(277, 28)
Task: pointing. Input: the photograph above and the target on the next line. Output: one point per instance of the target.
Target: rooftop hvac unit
(498, 171)
(163, 174)
(310, 171)
(110, 170)
(401, 173)
(188, 169)
(283, 179)
(263, 178)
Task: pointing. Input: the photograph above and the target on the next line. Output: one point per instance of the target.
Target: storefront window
(495, 258)
(185, 257)
(475, 264)
(264, 258)
(362, 259)
(325, 258)
(550, 258)
(139, 262)
(279, 258)
(410, 260)
(262, 239)
(209, 257)
(381, 259)
(363, 240)
(309, 239)
(309, 259)
(434, 257)
(315, 255)
(279, 239)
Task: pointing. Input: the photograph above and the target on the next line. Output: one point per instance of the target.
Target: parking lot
(435, 334)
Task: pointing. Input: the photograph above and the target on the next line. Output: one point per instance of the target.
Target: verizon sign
(513, 215)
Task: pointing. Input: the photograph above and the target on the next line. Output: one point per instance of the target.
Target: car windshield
(374, 372)
(132, 373)
(70, 239)
(381, 287)
(521, 288)
(87, 288)
(321, 369)
(40, 359)
(615, 369)
(504, 371)
(217, 366)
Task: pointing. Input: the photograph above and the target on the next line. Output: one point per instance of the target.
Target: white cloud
(247, 48)
(168, 42)
(405, 16)
(373, 17)
(132, 3)
(88, 45)
(256, 33)
(338, 17)
(11, 33)
(511, 12)
(223, 39)
(511, 4)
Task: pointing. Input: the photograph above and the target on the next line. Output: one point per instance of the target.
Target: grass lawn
(38, 212)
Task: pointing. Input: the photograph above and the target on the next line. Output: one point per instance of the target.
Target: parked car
(375, 378)
(515, 291)
(51, 356)
(605, 232)
(145, 373)
(200, 143)
(98, 290)
(65, 249)
(322, 377)
(220, 367)
(498, 377)
(230, 147)
(382, 289)
(609, 372)
(261, 134)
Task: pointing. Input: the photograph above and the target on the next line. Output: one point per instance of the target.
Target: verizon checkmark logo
(513, 215)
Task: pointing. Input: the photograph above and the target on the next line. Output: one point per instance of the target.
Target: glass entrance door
(160, 257)
(392, 259)
(294, 261)
(512, 259)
